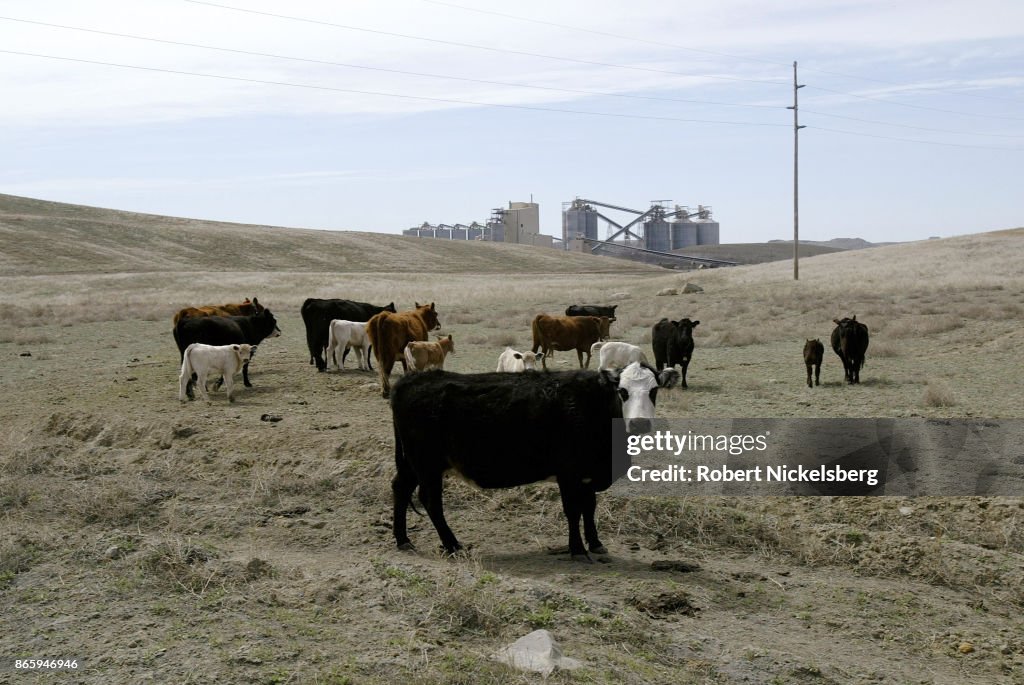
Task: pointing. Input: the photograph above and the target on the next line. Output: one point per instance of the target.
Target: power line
(907, 104)
(391, 95)
(482, 47)
(913, 140)
(699, 50)
(252, 53)
(558, 110)
(918, 128)
(475, 80)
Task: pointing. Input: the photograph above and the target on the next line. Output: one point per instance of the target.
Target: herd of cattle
(474, 423)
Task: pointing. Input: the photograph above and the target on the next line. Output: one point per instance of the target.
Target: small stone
(965, 648)
(272, 418)
(114, 552)
(668, 291)
(692, 288)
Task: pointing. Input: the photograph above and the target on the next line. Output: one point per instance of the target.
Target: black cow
(850, 342)
(673, 344)
(500, 430)
(591, 310)
(317, 315)
(226, 330)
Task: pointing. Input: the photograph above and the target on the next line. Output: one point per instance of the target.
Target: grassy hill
(41, 237)
(755, 253)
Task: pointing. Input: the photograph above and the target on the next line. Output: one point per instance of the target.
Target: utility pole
(796, 179)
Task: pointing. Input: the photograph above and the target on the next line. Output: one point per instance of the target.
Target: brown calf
(814, 352)
(568, 333)
(423, 356)
(390, 333)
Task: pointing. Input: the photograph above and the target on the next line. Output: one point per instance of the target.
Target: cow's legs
(245, 374)
(433, 502)
(589, 501)
(579, 353)
(572, 505)
(384, 369)
(817, 375)
(201, 386)
(684, 365)
(229, 386)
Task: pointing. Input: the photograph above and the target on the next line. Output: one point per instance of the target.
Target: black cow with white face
(500, 430)
(673, 344)
(850, 342)
(317, 314)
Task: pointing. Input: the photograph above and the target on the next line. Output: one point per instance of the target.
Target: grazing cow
(390, 333)
(850, 342)
(425, 355)
(345, 334)
(201, 360)
(227, 330)
(474, 424)
(317, 315)
(591, 310)
(246, 308)
(673, 344)
(814, 352)
(617, 355)
(512, 361)
(568, 333)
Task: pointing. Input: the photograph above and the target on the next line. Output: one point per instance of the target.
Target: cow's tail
(410, 358)
(330, 351)
(187, 374)
(401, 466)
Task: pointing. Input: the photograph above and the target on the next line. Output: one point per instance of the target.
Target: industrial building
(660, 229)
(518, 223)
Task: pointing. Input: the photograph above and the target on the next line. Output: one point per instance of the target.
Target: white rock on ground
(537, 652)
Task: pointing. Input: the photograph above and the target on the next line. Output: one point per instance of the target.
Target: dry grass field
(162, 542)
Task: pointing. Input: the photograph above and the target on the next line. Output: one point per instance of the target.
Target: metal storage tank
(657, 235)
(458, 234)
(707, 232)
(684, 234)
(474, 233)
(411, 231)
(426, 232)
(580, 222)
(443, 233)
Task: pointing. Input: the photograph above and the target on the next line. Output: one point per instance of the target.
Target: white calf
(516, 362)
(202, 360)
(343, 335)
(424, 355)
(619, 355)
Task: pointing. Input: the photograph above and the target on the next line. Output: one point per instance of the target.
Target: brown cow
(390, 333)
(568, 333)
(247, 308)
(423, 356)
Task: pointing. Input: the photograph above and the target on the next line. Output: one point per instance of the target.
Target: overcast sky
(328, 128)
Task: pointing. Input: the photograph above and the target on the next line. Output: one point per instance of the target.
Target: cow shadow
(542, 564)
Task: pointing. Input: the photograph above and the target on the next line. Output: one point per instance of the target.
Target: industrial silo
(684, 233)
(474, 232)
(657, 235)
(707, 232)
(443, 233)
(458, 233)
(579, 221)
